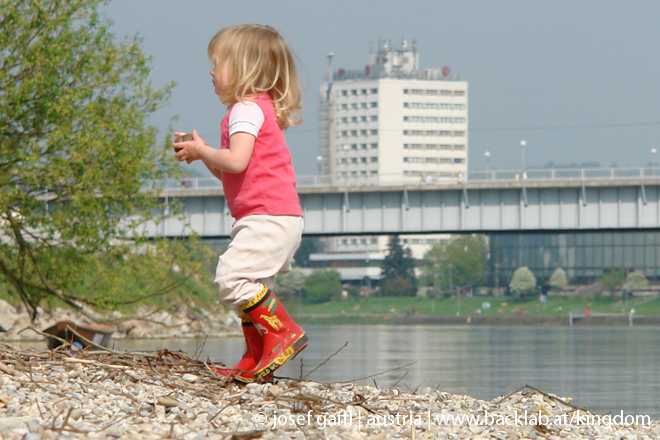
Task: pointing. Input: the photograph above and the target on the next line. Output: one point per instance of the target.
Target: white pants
(262, 246)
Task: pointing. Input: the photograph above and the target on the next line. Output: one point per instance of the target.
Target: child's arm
(233, 160)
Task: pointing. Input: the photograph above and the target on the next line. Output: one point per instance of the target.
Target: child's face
(220, 76)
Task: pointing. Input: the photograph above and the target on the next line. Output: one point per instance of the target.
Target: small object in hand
(183, 138)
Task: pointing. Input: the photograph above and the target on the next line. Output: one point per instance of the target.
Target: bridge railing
(480, 176)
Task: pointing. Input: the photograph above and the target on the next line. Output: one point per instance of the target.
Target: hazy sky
(578, 80)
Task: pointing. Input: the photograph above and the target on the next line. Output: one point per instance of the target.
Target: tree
(458, 262)
(636, 280)
(613, 279)
(398, 264)
(322, 286)
(523, 281)
(558, 279)
(307, 247)
(291, 283)
(75, 146)
(398, 286)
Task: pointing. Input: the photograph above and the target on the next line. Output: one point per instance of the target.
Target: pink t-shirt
(268, 185)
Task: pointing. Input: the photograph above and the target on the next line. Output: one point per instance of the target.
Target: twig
(379, 374)
(323, 363)
(400, 379)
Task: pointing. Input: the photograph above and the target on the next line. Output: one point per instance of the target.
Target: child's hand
(188, 150)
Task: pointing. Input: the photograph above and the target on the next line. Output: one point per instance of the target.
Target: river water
(606, 369)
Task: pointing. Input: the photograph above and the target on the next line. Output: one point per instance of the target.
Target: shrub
(322, 286)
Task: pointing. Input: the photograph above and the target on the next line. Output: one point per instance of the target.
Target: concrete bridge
(480, 202)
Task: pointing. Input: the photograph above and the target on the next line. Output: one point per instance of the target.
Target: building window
(459, 106)
(354, 160)
(459, 120)
(353, 132)
(344, 134)
(363, 91)
(374, 91)
(363, 159)
(416, 146)
(405, 91)
(431, 119)
(416, 119)
(406, 105)
(354, 92)
(374, 118)
(374, 105)
(431, 105)
(416, 133)
(354, 106)
(344, 93)
(344, 120)
(445, 160)
(374, 159)
(445, 106)
(363, 132)
(417, 92)
(363, 119)
(405, 132)
(459, 93)
(431, 133)
(459, 133)
(459, 147)
(374, 132)
(354, 119)
(459, 160)
(431, 146)
(406, 146)
(344, 106)
(431, 92)
(374, 145)
(445, 120)
(445, 147)
(405, 119)
(445, 133)
(417, 105)
(445, 92)
(363, 146)
(354, 146)
(363, 105)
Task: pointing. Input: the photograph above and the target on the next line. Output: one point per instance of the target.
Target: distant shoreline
(614, 320)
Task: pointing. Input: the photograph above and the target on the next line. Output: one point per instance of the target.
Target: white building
(393, 122)
(359, 258)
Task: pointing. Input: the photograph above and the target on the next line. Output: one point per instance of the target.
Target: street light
(523, 143)
(653, 151)
(487, 155)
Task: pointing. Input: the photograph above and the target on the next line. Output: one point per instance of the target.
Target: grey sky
(578, 80)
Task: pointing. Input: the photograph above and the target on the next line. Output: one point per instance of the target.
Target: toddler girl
(255, 76)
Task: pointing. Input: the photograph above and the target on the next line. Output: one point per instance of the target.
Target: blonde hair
(260, 61)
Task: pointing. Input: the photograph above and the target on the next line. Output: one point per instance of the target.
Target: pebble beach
(99, 394)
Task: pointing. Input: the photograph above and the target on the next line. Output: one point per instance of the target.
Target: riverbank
(617, 320)
(150, 395)
(561, 311)
(146, 322)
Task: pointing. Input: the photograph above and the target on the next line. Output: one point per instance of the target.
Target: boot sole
(290, 353)
(238, 377)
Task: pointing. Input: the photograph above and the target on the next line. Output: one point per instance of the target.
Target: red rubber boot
(282, 337)
(254, 346)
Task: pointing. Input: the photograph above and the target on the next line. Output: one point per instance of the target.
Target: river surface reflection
(607, 369)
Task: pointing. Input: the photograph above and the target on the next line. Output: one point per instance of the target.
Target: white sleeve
(246, 117)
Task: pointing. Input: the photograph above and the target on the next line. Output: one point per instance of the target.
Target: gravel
(154, 395)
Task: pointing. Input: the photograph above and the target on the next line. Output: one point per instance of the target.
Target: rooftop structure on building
(392, 122)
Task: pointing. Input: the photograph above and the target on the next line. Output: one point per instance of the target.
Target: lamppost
(653, 151)
(523, 143)
(487, 156)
